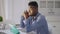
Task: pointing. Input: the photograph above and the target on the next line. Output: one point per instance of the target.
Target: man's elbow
(22, 26)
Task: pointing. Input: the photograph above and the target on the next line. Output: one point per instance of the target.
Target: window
(42, 4)
(50, 4)
(57, 4)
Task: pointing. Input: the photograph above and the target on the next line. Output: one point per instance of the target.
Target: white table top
(21, 32)
(8, 32)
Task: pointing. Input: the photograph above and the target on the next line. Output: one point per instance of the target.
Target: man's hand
(26, 14)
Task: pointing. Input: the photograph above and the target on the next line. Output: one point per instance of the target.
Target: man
(32, 20)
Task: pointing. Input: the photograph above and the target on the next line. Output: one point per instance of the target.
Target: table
(8, 32)
(21, 32)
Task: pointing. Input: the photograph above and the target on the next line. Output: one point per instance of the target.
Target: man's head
(33, 8)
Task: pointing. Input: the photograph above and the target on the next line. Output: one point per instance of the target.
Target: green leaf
(1, 19)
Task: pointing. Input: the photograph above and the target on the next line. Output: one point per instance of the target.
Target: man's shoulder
(40, 15)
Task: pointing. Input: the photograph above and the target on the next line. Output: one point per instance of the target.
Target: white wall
(14, 9)
(11, 10)
(2, 9)
(18, 8)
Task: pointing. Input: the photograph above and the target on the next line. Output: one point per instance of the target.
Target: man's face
(32, 10)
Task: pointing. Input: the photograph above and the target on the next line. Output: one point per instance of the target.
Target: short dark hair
(33, 3)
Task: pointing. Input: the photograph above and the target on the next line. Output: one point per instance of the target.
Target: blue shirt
(37, 24)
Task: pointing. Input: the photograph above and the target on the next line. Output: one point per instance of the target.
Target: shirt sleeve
(38, 23)
(22, 25)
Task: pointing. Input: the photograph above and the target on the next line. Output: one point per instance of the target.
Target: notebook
(13, 29)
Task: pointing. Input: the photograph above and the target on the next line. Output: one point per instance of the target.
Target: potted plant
(1, 19)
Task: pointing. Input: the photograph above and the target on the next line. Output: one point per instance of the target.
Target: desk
(21, 32)
(8, 32)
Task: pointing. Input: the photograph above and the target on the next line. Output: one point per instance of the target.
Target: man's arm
(23, 17)
(21, 22)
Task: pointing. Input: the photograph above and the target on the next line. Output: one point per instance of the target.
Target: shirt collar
(36, 15)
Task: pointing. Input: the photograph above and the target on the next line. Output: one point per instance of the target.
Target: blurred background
(11, 10)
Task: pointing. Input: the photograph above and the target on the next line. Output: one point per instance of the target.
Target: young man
(33, 20)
